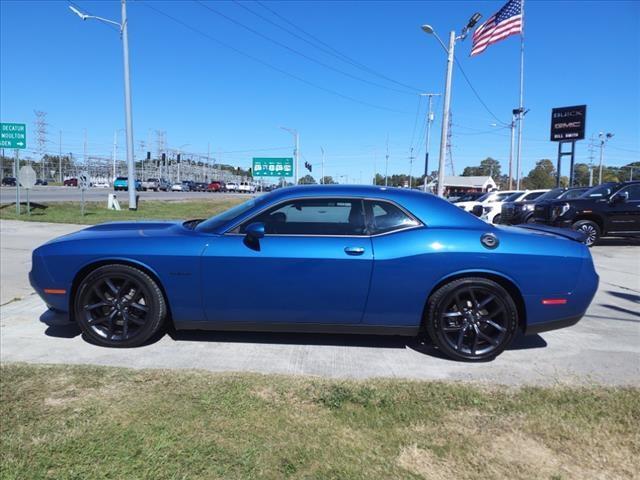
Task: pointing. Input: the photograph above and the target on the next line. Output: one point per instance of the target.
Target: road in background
(604, 347)
(72, 194)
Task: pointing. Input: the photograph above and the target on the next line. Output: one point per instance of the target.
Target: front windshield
(599, 191)
(551, 194)
(468, 197)
(226, 216)
(569, 194)
(483, 197)
(512, 198)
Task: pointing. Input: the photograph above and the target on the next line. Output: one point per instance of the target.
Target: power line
(298, 52)
(475, 92)
(415, 122)
(323, 46)
(269, 65)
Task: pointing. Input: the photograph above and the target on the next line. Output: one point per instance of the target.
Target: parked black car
(200, 186)
(41, 182)
(611, 209)
(9, 181)
(514, 213)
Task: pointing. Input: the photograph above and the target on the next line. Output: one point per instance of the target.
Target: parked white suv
(246, 187)
(491, 211)
(486, 199)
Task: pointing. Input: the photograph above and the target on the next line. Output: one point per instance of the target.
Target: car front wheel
(590, 229)
(471, 319)
(119, 306)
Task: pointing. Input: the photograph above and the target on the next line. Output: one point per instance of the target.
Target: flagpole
(521, 107)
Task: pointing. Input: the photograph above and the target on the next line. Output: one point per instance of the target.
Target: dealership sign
(568, 123)
(273, 167)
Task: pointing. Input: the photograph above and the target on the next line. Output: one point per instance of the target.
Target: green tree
(489, 167)
(307, 180)
(581, 175)
(328, 180)
(543, 175)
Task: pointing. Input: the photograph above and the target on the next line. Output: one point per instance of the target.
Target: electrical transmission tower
(449, 153)
(41, 139)
(161, 145)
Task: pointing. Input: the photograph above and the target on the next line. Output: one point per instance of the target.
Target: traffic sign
(273, 167)
(27, 177)
(83, 180)
(13, 135)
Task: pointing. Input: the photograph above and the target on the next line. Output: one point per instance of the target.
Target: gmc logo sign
(568, 123)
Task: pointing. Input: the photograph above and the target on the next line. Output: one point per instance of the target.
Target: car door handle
(354, 250)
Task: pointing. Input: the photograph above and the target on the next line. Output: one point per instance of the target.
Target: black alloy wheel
(472, 319)
(119, 306)
(590, 229)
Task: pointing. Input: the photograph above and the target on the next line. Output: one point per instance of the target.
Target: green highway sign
(13, 135)
(273, 167)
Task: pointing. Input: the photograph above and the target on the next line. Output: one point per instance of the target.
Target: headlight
(528, 206)
(560, 210)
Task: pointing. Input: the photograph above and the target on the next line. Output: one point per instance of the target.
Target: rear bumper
(535, 328)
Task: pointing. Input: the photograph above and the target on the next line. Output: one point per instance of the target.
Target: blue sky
(203, 93)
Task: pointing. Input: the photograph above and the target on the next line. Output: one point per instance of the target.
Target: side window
(532, 196)
(386, 217)
(634, 192)
(313, 217)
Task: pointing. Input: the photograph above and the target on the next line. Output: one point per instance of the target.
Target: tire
(494, 316)
(496, 219)
(530, 219)
(590, 229)
(119, 306)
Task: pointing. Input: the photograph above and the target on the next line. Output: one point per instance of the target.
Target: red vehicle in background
(216, 186)
(70, 182)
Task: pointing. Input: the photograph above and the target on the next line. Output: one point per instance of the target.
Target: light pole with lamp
(124, 34)
(296, 152)
(447, 89)
(604, 138)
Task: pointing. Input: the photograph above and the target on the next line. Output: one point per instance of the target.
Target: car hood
(116, 230)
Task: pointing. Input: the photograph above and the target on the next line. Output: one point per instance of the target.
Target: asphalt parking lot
(604, 348)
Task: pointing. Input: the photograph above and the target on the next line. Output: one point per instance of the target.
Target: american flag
(507, 21)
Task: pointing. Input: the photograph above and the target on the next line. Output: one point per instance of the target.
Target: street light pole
(296, 152)
(445, 112)
(322, 167)
(603, 140)
(124, 33)
(513, 129)
(447, 89)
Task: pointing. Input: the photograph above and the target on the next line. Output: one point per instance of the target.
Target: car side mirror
(620, 197)
(254, 231)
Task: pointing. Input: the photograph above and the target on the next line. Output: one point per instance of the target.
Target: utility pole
(84, 149)
(386, 165)
(60, 156)
(591, 157)
(514, 114)
(322, 167)
(115, 153)
(604, 138)
(296, 152)
(430, 117)
(411, 157)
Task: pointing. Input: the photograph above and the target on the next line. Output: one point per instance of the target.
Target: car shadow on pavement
(59, 325)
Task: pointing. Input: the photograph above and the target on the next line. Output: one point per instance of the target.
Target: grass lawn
(94, 422)
(69, 212)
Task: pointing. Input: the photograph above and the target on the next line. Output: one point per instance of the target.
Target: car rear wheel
(590, 229)
(119, 306)
(471, 319)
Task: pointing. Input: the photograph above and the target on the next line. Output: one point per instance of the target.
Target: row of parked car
(609, 209)
(160, 184)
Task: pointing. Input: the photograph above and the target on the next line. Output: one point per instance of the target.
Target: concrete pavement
(603, 348)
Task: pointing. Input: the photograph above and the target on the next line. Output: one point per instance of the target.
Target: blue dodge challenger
(350, 259)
